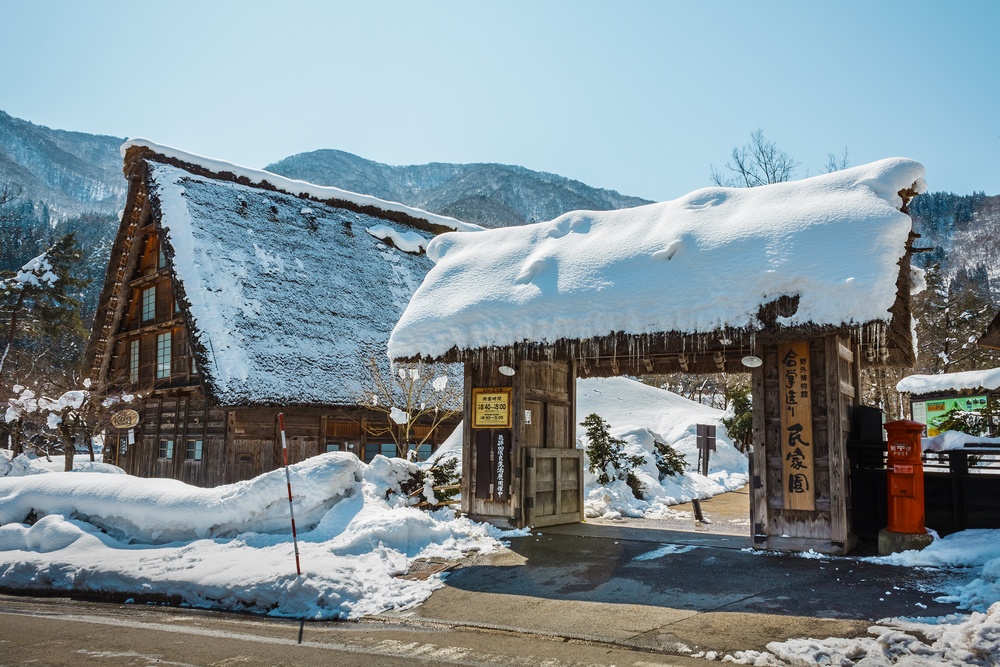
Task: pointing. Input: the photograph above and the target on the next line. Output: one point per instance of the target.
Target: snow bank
(696, 264)
(231, 546)
(928, 384)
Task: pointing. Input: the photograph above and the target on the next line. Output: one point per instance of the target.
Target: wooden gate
(553, 491)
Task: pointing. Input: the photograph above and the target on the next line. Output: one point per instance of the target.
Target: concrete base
(890, 542)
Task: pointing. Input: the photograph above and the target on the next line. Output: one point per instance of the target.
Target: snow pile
(956, 639)
(948, 440)
(411, 242)
(230, 547)
(928, 384)
(641, 415)
(700, 263)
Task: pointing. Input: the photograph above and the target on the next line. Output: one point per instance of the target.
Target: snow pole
(288, 480)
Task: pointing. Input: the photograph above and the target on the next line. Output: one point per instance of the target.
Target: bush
(442, 473)
(740, 425)
(669, 462)
(607, 456)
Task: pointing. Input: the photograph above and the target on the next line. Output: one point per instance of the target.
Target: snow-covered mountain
(492, 195)
(68, 172)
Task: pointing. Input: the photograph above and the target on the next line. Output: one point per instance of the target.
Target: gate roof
(829, 251)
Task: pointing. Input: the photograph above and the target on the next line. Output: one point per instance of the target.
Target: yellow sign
(795, 400)
(491, 407)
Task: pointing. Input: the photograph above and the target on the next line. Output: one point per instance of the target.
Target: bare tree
(834, 163)
(412, 395)
(758, 162)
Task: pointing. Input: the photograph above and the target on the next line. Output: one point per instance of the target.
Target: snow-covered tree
(40, 305)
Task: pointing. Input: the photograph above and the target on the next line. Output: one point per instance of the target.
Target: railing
(961, 488)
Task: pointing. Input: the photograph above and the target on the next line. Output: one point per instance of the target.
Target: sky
(640, 97)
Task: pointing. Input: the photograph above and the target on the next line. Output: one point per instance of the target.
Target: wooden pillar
(780, 521)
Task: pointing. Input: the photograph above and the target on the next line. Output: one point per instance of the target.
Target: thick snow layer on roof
(695, 264)
(297, 188)
(287, 306)
(928, 384)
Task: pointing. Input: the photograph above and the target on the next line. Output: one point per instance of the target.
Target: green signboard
(934, 411)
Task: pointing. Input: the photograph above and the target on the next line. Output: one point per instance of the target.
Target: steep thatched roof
(287, 288)
(991, 338)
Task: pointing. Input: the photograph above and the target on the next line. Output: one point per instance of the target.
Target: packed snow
(988, 378)
(701, 263)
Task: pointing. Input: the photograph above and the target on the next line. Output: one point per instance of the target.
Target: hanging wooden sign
(125, 419)
(491, 407)
(795, 399)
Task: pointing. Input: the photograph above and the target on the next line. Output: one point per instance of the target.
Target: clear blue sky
(641, 97)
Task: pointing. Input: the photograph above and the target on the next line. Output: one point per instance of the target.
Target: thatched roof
(991, 338)
(287, 288)
(715, 270)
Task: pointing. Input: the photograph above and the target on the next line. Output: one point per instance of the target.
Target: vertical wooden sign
(795, 398)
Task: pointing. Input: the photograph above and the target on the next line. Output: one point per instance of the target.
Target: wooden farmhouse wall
(181, 436)
(833, 364)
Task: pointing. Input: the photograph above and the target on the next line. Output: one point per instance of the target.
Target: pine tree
(607, 456)
(40, 306)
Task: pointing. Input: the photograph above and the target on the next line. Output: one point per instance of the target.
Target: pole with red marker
(288, 480)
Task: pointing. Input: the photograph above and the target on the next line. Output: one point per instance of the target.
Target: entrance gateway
(818, 272)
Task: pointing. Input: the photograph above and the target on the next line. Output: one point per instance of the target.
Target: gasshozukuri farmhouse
(232, 295)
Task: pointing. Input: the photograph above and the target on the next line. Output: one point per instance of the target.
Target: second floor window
(149, 304)
(164, 343)
(133, 361)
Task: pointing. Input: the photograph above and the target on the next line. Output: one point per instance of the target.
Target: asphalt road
(55, 631)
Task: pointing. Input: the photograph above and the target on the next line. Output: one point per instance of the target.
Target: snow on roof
(929, 384)
(286, 302)
(696, 264)
(297, 188)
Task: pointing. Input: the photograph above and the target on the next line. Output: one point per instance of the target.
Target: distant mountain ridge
(69, 172)
(492, 195)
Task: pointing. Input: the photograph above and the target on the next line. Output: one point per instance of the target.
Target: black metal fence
(961, 488)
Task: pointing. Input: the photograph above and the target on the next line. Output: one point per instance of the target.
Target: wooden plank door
(553, 486)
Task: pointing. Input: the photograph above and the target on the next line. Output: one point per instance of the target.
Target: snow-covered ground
(230, 547)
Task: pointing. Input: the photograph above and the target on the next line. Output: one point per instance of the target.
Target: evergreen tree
(740, 425)
(40, 307)
(607, 457)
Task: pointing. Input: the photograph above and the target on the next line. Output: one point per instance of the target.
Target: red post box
(905, 478)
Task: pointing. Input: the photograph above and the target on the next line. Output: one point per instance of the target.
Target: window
(161, 260)
(133, 361)
(163, 345)
(149, 304)
(166, 449)
(193, 452)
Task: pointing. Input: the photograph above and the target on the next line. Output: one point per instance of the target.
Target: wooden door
(553, 486)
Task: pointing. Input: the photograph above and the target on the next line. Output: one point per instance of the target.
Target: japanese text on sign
(491, 408)
(795, 399)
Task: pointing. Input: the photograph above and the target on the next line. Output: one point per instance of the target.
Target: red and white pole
(288, 480)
